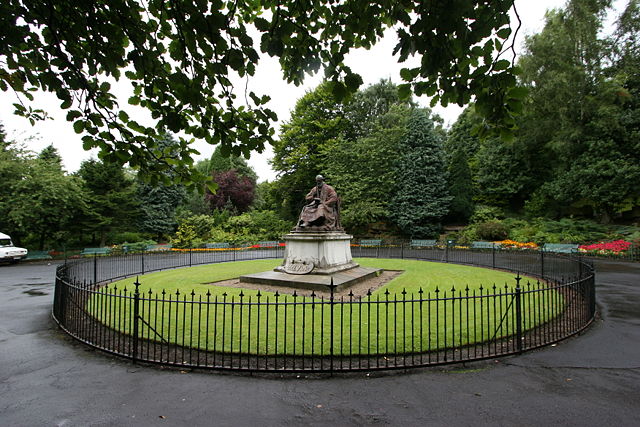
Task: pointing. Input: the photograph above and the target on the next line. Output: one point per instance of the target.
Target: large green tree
(182, 58)
(364, 170)
(299, 154)
(158, 205)
(113, 205)
(421, 197)
(221, 163)
(579, 130)
(39, 203)
(460, 187)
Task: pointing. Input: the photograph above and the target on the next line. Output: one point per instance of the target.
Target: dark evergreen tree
(113, 205)
(421, 198)
(50, 154)
(460, 187)
(158, 207)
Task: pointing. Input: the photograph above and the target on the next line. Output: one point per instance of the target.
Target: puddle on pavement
(35, 292)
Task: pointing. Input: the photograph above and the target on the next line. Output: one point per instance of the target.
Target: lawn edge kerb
(230, 339)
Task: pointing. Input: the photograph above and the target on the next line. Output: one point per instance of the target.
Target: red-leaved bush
(239, 190)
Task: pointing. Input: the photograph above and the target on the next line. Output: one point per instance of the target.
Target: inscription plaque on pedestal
(298, 267)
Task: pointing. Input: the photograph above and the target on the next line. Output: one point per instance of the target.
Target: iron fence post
(332, 288)
(579, 265)
(142, 262)
(136, 314)
(190, 250)
(541, 262)
(518, 314)
(401, 250)
(446, 251)
(95, 268)
(493, 255)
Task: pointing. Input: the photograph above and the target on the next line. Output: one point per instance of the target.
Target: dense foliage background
(569, 173)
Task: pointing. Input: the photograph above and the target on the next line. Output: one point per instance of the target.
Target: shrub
(492, 230)
(138, 246)
(484, 213)
(185, 237)
(467, 235)
(129, 236)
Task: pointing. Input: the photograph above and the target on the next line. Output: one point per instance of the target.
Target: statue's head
(319, 180)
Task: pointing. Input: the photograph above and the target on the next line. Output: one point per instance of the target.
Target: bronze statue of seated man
(321, 211)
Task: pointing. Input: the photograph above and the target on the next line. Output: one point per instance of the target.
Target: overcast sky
(372, 65)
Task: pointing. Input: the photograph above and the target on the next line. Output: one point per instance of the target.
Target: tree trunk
(42, 239)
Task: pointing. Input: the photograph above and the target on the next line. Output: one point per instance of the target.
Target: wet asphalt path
(46, 378)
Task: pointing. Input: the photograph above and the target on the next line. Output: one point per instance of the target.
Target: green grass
(195, 314)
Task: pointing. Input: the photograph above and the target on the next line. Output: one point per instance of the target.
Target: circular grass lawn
(430, 306)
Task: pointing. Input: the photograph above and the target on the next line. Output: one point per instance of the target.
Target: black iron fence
(271, 331)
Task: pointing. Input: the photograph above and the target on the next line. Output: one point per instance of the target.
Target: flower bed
(617, 247)
(512, 244)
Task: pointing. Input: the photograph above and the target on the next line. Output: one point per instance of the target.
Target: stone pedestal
(317, 253)
(315, 260)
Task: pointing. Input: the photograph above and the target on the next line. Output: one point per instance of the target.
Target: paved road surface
(47, 378)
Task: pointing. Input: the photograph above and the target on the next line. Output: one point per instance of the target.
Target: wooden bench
(95, 251)
(371, 242)
(422, 243)
(38, 255)
(562, 248)
(482, 245)
(216, 245)
(158, 248)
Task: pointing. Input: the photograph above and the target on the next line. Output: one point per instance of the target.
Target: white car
(8, 252)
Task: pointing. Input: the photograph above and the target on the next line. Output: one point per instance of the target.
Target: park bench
(95, 251)
(422, 243)
(158, 248)
(482, 245)
(563, 248)
(216, 245)
(371, 242)
(38, 255)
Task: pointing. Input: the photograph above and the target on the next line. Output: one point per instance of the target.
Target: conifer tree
(460, 187)
(421, 197)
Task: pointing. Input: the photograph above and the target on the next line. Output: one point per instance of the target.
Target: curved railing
(326, 331)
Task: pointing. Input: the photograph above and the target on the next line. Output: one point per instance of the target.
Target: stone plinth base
(316, 282)
(316, 253)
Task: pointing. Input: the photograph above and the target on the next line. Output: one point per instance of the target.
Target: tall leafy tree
(299, 156)
(221, 163)
(421, 198)
(363, 171)
(39, 203)
(367, 105)
(181, 56)
(575, 128)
